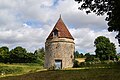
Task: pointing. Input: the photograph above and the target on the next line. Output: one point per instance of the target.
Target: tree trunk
(109, 57)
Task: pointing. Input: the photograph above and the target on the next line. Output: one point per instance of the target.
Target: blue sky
(27, 23)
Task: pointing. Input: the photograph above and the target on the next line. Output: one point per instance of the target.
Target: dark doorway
(58, 64)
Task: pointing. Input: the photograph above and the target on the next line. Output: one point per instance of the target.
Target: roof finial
(60, 15)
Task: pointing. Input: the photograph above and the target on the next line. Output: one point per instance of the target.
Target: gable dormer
(55, 33)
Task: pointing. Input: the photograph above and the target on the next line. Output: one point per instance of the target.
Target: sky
(28, 23)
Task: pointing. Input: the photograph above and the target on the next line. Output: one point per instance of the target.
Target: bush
(76, 64)
(9, 70)
(51, 68)
(89, 58)
(40, 61)
(96, 60)
(82, 64)
(106, 64)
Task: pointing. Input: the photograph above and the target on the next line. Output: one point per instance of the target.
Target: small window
(55, 33)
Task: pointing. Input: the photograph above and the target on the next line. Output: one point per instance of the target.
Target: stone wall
(59, 49)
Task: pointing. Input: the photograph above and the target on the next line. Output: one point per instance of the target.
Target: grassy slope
(86, 74)
(112, 73)
(18, 69)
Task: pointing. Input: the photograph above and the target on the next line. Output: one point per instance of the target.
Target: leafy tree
(118, 57)
(81, 55)
(4, 54)
(40, 53)
(76, 54)
(20, 55)
(104, 49)
(17, 55)
(100, 7)
(89, 57)
(30, 58)
(76, 64)
(87, 54)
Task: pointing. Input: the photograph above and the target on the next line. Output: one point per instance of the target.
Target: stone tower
(59, 47)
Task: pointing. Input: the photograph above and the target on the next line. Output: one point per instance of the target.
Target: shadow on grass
(112, 73)
(86, 74)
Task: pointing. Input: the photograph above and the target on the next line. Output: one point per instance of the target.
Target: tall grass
(112, 73)
(86, 74)
(18, 69)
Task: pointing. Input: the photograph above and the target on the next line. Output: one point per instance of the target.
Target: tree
(20, 55)
(81, 55)
(29, 58)
(87, 54)
(40, 53)
(89, 57)
(104, 48)
(4, 54)
(76, 54)
(100, 7)
(17, 55)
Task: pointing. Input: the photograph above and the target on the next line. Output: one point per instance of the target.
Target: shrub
(51, 68)
(82, 64)
(9, 70)
(96, 60)
(76, 64)
(40, 61)
(89, 58)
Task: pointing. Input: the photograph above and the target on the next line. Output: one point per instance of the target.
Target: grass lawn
(18, 69)
(33, 73)
(83, 74)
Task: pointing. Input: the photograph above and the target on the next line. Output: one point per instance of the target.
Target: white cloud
(26, 36)
(84, 38)
(28, 23)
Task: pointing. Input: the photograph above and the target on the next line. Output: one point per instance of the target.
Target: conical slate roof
(63, 32)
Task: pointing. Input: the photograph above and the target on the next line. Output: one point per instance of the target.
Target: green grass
(86, 74)
(112, 73)
(18, 69)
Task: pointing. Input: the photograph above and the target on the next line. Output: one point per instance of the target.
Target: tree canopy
(4, 53)
(101, 7)
(40, 53)
(21, 55)
(105, 50)
(78, 55)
